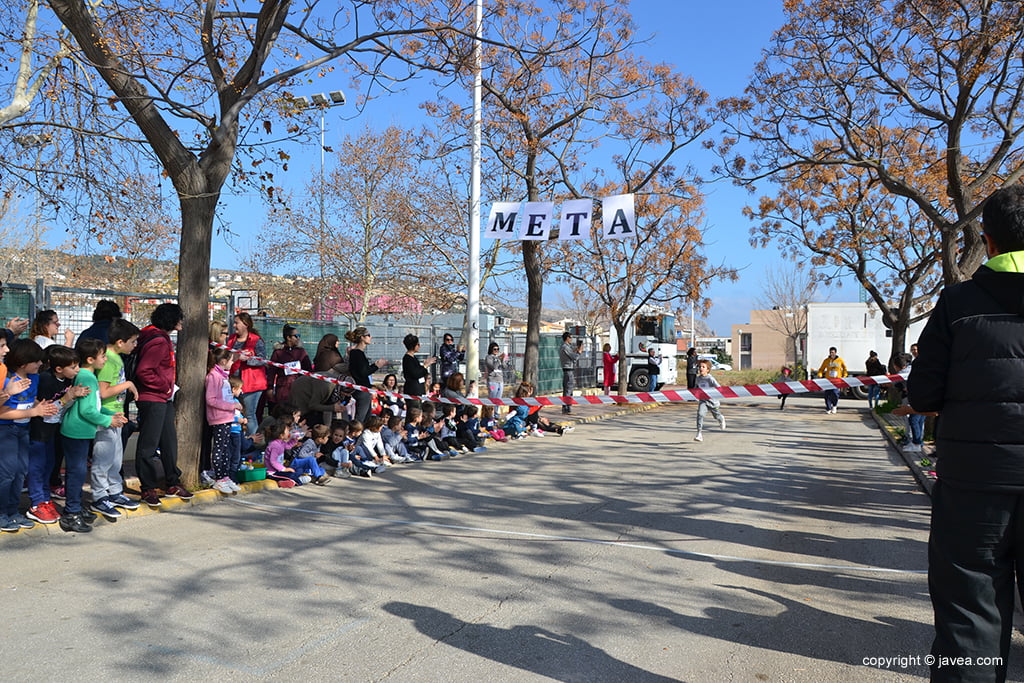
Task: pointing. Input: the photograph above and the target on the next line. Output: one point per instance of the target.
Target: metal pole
(473, 296)
(322, 226)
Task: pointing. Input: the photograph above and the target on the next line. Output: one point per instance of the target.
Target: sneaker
(437, 456)
(537, 432)
(178, 491)
(452, 453)
(342, 473)
(285, 483)
(721, 422)
(43, 513)
(322, 481)
(566, 430)
(234, 485)
(58, 492)
(366, 474)
(22, 521)
(7, 524)
(206, 478)
(74, 523)
(223, 486)
(480, 449)
(88, 516)
(699, 437)
(381, 469)
(124, 502)
(305, 479)
(106, 508)
(151, 498)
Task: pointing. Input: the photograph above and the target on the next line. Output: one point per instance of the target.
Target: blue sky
(717, 43)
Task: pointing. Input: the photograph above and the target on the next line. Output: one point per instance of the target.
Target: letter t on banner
(536, 222)
(575, 221)
(501, 225)
(618, 216)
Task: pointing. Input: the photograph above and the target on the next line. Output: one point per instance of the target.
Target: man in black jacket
(971, 370)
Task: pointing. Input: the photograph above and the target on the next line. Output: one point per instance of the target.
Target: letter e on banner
(536, 224)
(618, 216)
(501, 225)
(575, 221)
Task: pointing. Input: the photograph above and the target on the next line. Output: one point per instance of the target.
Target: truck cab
(652, 328)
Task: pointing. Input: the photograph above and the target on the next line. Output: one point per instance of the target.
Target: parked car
(715, 365)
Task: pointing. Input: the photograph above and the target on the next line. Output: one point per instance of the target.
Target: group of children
(75, 396)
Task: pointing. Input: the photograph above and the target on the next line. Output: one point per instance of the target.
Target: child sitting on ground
(305, 461)
(370, 444)
(394, 440)
(362, 463)
(275, 434)
(515, 426)
(468, 430)
(419, 442)
(339, 430)
(489, 425)
(706, 381)
(446, 429)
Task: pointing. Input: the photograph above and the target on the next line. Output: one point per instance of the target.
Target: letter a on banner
(575, 221)
(501, 225)
(536, 223)
(618, 216)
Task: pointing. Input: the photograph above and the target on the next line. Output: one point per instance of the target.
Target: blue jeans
(308, 466)
(76, 457)
(40, 464)
(249, 403)
(831, 398)
(13, 465)
(874, 392)
(916, 428)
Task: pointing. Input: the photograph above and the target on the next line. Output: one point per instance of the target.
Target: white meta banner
(501, 225)
(618, 217)
(575, 221)
(535, 223)
(535, 220)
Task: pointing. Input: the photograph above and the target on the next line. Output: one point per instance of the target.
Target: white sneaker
(699, 437)
(234, 485)
(566, 430)
(305, 479)
(224, 486)
(537, 432)
(721, 421)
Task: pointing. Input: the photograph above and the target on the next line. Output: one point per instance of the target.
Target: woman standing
(390, 401)
(414, 372)
(250, 366)
(450, 355)
(360, 368)
(874, 368)
(610, 360)
(327, 354)
(691, 368)
(45, 328)
(294, 358)
(494, 364)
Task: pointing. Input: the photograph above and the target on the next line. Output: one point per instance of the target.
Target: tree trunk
(197, 214)
(534, 304)
(620, 335)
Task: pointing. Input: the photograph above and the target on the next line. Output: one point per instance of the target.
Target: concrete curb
(919, 472)
(202, 497)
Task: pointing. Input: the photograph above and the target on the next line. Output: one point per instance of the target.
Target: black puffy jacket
(971, 370)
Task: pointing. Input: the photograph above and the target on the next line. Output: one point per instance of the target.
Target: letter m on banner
(501, 225)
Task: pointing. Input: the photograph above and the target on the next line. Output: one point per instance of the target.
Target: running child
(706, 381)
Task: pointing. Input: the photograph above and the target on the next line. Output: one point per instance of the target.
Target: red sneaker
(151, 497)
(180, 492)
(44, 513)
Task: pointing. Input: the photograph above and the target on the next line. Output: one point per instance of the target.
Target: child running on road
(706, 381)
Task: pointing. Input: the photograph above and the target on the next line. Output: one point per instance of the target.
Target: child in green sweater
(78, 430)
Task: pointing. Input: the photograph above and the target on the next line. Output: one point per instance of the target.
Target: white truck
(653, 327)
(854, 329)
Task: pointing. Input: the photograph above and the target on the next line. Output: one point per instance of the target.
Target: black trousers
(156, 430)
(975, 552)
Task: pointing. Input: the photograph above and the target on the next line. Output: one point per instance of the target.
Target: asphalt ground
(790, 547)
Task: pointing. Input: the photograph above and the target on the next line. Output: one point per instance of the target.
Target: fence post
(42, 295)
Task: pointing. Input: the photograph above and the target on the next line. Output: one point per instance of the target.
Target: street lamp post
(322, 102)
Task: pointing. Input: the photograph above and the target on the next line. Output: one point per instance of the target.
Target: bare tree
(785, 293)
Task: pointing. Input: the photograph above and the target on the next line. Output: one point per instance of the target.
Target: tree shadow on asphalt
(558, 656)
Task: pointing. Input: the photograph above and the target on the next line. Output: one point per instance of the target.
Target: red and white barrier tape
(669, 396)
